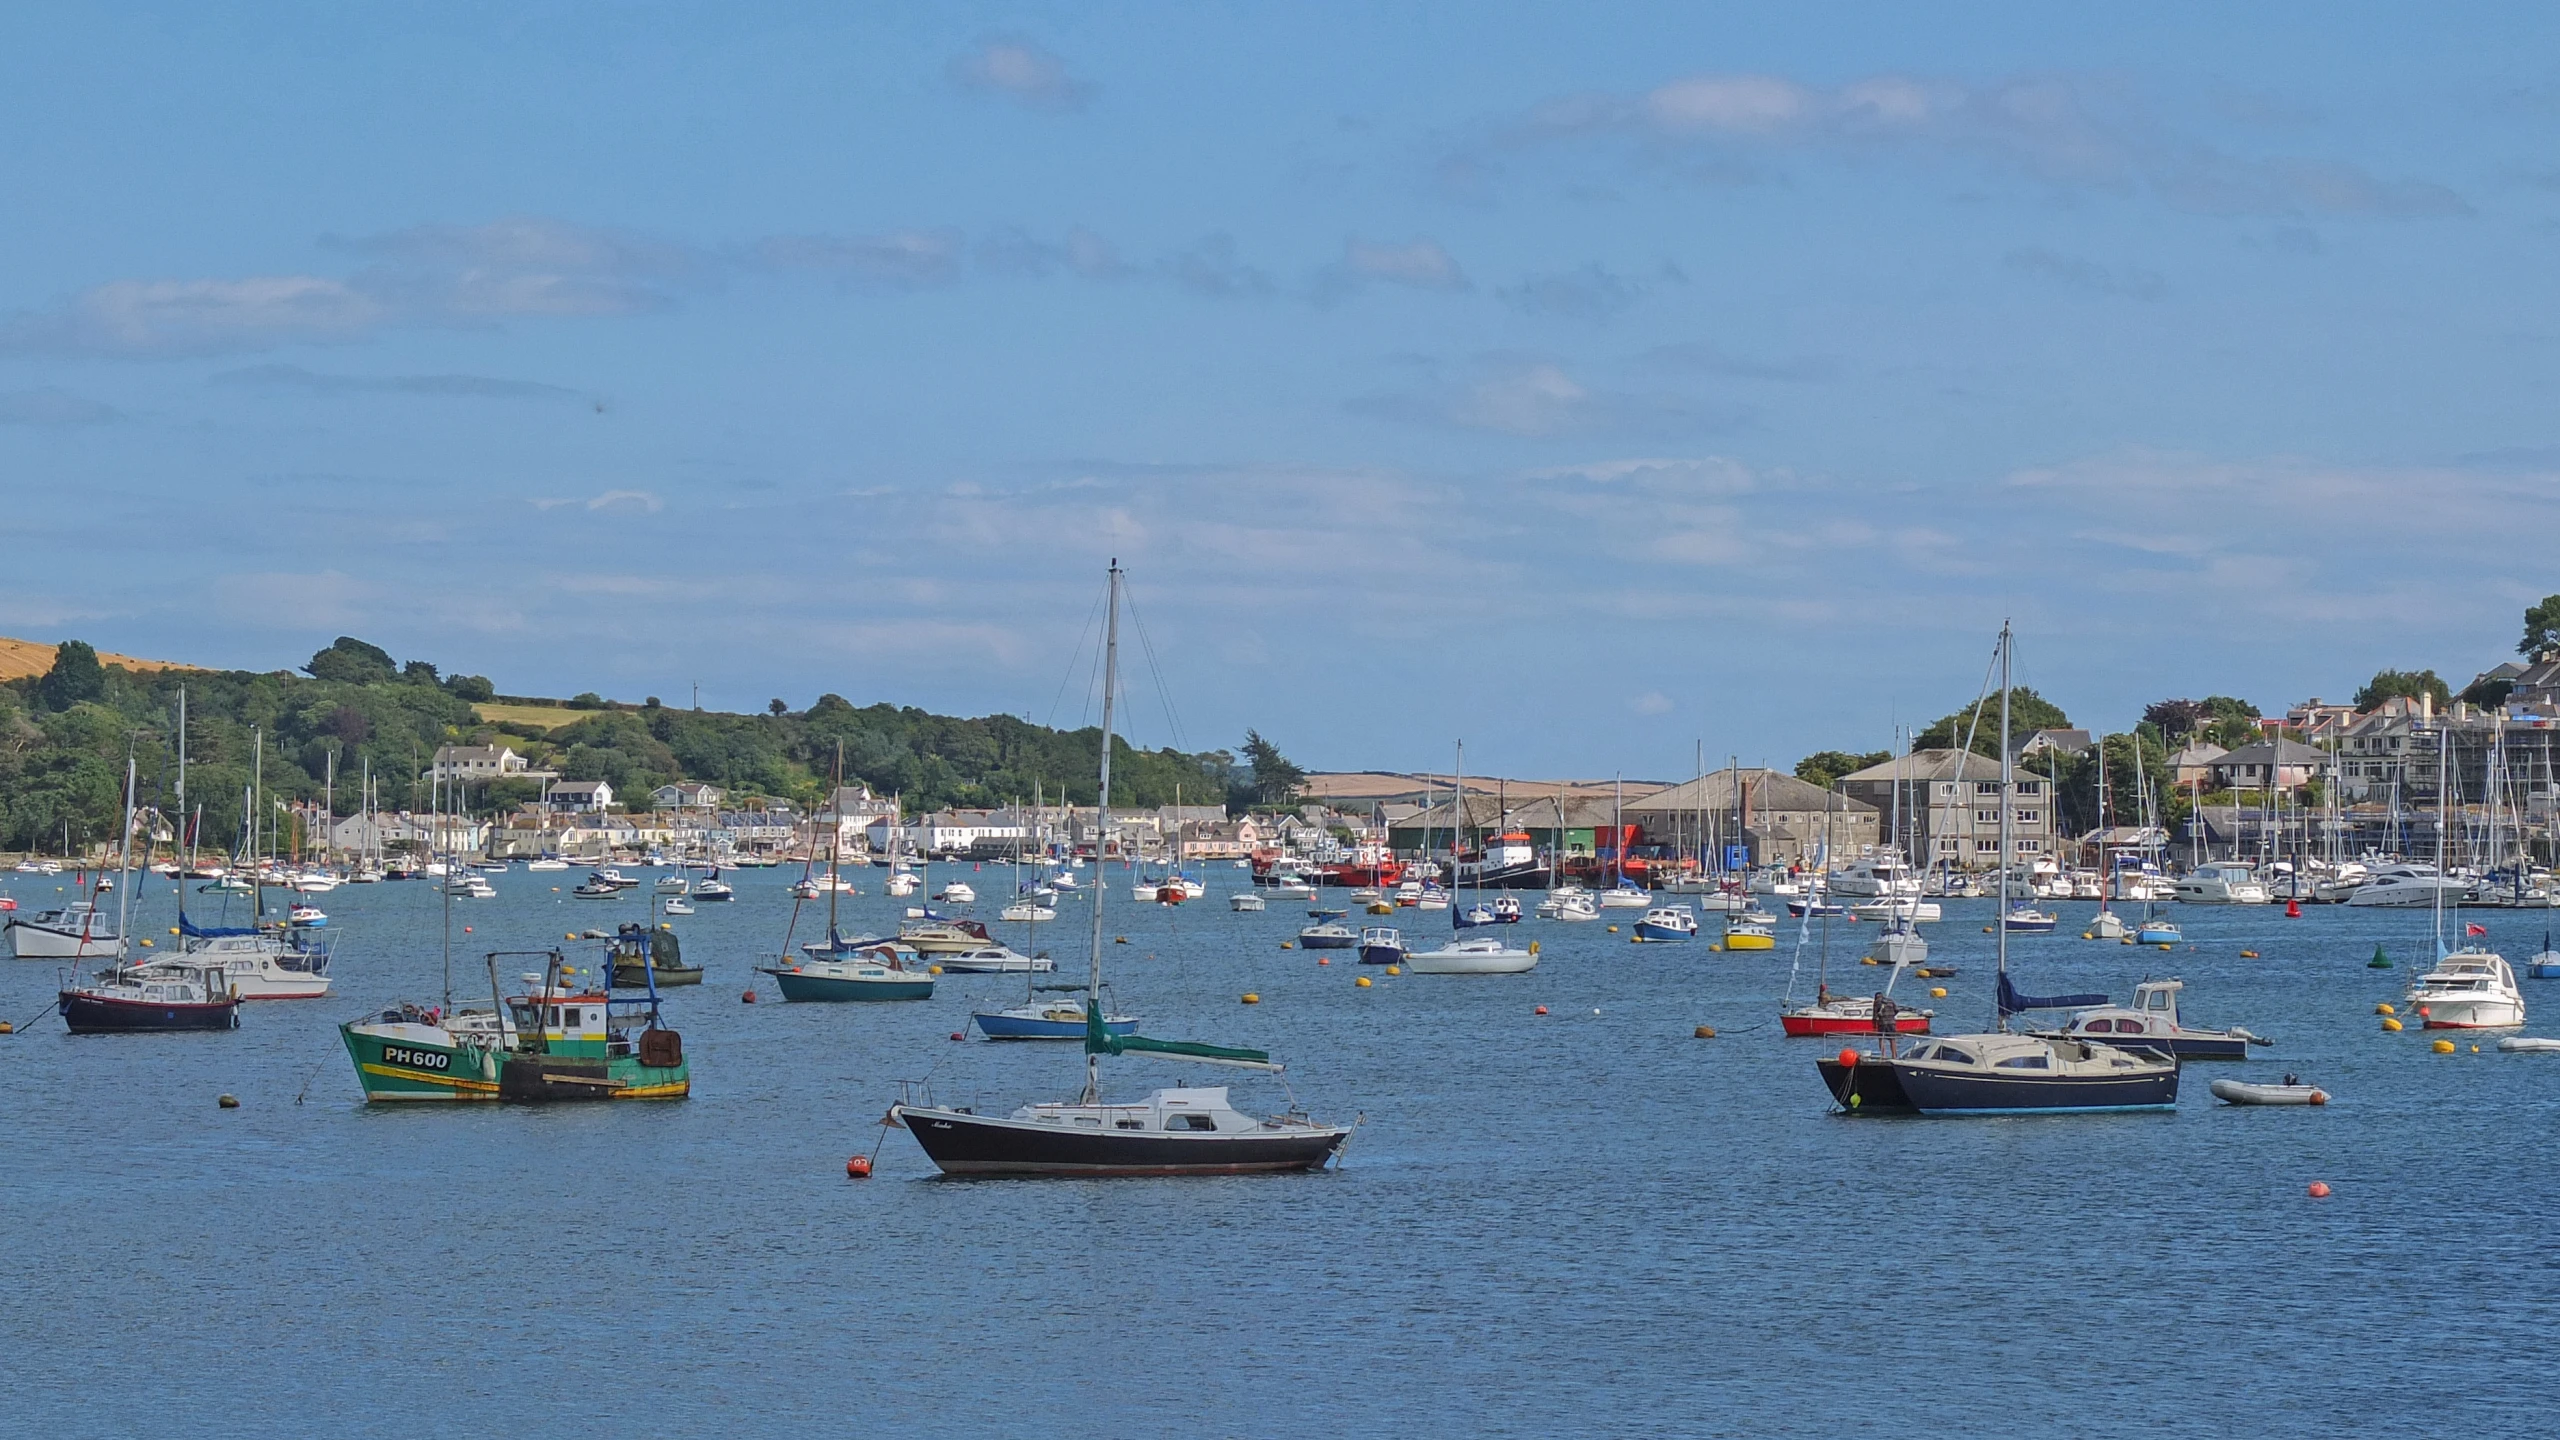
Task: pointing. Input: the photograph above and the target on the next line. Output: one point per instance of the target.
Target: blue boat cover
(2011, 1002)
(189, 927)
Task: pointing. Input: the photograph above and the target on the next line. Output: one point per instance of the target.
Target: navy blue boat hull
(961, 1144)
(98, 1015)
(1869, 1087)
(1935, 1092)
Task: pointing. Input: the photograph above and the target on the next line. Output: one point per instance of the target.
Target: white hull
(1471, 960)
(38, 942)
(2498, 1013)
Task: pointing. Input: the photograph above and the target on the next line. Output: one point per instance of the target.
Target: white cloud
(155, 318)
(1420, 264)
(1748, 104)
(1536, 398)
(2129, 281)
(283, 600)
(53, 408)
(2079, 130)
(1651, 702)
(896, 259)
(641, 502)
(1021, 71)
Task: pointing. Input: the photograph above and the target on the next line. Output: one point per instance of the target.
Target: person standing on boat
(1886, 1013)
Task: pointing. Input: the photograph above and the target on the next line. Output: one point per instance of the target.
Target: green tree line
(64, 737)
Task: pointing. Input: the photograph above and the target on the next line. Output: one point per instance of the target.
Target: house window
(2029, 817)
(2029, 846)
(2027, 787)
(1986, 787)
(1950, 847)
(1986, 847)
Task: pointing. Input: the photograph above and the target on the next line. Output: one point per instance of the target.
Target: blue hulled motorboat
(1382, 945)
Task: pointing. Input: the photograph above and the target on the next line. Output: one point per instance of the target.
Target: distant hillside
(26, 659)
(64, 732)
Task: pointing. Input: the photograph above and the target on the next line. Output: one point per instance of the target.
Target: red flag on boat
(2475, 929)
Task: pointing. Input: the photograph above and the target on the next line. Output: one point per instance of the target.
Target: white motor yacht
(1909, 910)
(1878, 876)
(1574, 904)
(261, 964)
(2404, 887)
(2220, 882)
(958, 892)
(1477, 956)
(77, 931)
(993, 960)
(2468, 990)
(1246, 902)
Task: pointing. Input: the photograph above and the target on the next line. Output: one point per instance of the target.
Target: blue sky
(1583, 381)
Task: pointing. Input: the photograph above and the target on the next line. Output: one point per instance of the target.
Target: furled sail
(2011, 1002)
(1098, 1040)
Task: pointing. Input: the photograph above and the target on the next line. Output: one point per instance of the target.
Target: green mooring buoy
(2379, 961)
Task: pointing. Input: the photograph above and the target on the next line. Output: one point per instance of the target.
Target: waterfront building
(1950, 810)
(1765, 817)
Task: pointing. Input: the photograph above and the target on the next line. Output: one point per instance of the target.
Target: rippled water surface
(1587, 1222)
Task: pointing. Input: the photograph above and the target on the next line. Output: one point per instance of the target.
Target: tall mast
(835, 842)
(188, 863)
(124, 861)
(2444, 789)
(257, 799)
(1458, 825)
(2007, 777)
(1102, 825)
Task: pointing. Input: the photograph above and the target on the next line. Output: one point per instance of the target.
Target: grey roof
(2069, 742)
(1922, 765)
(1767, 790)
(2285, 752)
(1484, 812)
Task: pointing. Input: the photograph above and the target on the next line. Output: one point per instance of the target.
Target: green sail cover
(1098, 1040)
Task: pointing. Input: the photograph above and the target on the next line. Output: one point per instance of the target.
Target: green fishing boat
(565, 1039)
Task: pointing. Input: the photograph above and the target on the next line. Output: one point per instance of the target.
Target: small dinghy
(2527, 1044)
(2242, 1092)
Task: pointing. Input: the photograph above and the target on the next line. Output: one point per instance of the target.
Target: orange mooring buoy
(2293, 909)
(2319, 1190)
(859, 1167)
(1849, 1057)
(747, 999)
(1542, 1009)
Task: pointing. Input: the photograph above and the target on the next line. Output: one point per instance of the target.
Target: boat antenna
(835, 845)
(2000, 1016)
(124, 861)
(186, 864)
(1102, 823)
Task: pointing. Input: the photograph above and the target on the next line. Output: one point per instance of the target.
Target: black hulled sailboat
(2002, 1072)
(1188, 1131)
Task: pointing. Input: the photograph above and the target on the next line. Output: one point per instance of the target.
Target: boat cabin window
(1093, 1120)
(2156, 1000)
(1952, 1055)
(1128, 1125)
(2024, 1062)
(2100, 1026)
(1189, 1122)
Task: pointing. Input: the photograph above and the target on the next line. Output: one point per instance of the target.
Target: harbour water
(1588, 1222)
